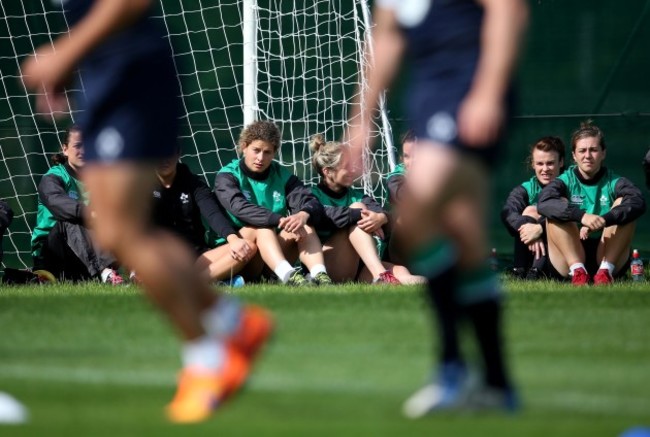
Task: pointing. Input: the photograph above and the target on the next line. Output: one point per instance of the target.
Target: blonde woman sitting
(350, 222)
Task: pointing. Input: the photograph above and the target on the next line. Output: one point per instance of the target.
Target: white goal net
(294, 63)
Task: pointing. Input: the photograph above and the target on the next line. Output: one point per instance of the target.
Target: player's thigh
(120, 199)
(211, 256)
(288, 245)
(430, 171)
(341, 259)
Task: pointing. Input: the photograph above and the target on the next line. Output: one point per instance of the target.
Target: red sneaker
(580, 277)
(387, 277)
(114, 278)
(603, 277)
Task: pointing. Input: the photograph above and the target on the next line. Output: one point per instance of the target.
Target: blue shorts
(433, 115)
(130, 108)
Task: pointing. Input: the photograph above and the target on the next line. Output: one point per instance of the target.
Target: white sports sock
(106, 273)
(575, 266)
(607, 265)
(205, 353)
(222, 318)
(318, 268)
(283, 270)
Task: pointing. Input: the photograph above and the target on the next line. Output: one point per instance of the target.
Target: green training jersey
(353, 195)
(533, 188)
(594, 199)
(399, 170)
(45, 220)
(268, 193)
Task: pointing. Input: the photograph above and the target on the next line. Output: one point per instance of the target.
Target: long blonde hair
(325, 154)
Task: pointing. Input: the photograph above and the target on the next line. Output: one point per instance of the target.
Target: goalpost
(298, 64)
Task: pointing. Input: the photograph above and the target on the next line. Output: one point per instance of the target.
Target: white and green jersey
(338, 214)
(571, 196)
(521, 197)
(395, 183)
(260, 200)
(61, 197)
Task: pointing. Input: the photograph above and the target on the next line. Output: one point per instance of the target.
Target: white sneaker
(449, 392)
(12, 411)
(425, 400)
(469, 394)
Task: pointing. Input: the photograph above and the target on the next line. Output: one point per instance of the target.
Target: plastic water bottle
(235, 282)
(636, 267)
(493, 262)
(381, 246)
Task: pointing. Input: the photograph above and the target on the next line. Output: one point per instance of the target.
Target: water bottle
(236, 281)
(493, 261)
(636, 267)
(381, 246)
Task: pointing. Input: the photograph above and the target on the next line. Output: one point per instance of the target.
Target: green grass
(96, 360)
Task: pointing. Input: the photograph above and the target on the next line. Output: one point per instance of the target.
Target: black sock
(441, 296)
(540, 263)
(486, 320)
(522, 255)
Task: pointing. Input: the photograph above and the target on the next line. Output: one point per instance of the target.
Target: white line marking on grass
(158, 378)
(566, 401)
(595, 402)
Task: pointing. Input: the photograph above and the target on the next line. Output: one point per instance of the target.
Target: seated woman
(181, 202)
(6, 217)
(61, 243)
(520, 216)
(266, 199)
(351, 220)
(396, 186)
(591, 214)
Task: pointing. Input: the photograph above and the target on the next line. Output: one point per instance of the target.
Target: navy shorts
(130, 109)
(433, 115)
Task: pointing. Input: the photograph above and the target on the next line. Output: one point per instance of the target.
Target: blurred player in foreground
(129, 119)
(462, 54)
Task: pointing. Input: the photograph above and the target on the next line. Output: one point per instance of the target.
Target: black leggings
(69, 254)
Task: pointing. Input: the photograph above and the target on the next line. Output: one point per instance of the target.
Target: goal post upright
(249, 30)
(386, 132)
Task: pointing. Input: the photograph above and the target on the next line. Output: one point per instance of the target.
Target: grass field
(95, 360)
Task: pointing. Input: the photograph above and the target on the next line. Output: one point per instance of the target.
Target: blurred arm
(53, 64)
(482, 115)
(503, 26)
(388, 44)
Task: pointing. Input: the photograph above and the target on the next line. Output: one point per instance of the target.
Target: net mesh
(306, 64)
